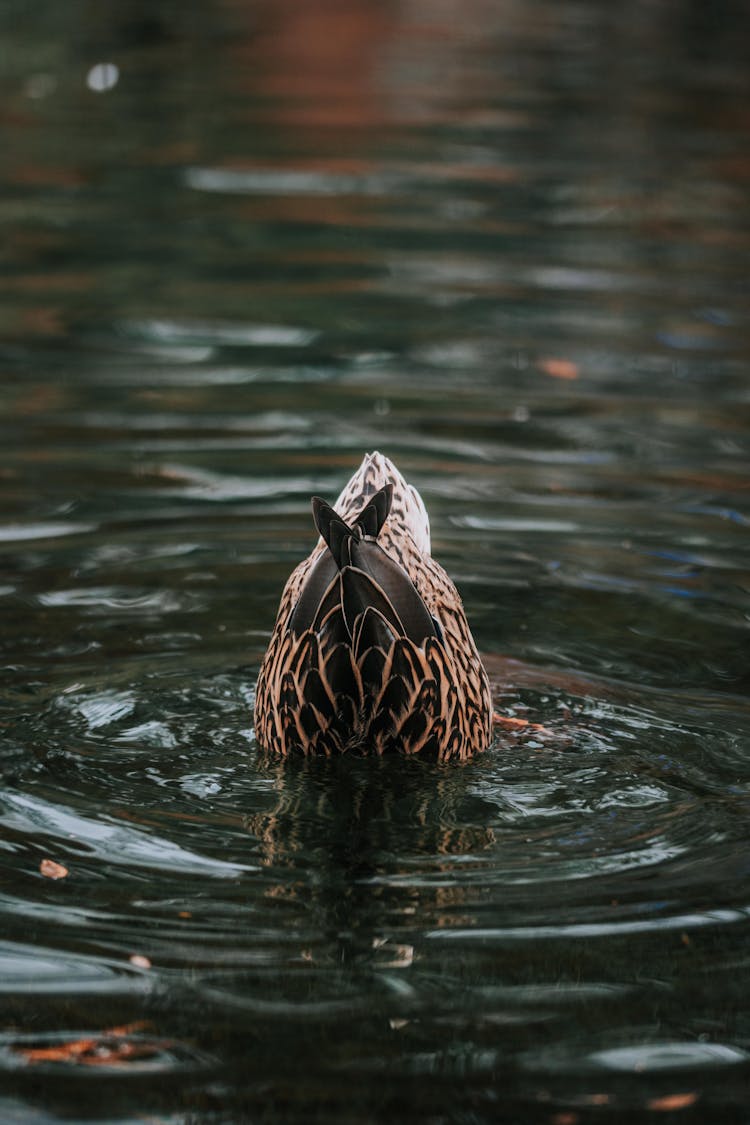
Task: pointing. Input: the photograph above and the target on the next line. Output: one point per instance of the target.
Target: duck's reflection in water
(372, 843)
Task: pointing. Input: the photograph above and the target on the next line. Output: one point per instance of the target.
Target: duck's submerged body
(371, 649)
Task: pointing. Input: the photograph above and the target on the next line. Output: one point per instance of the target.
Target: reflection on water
(506, 244)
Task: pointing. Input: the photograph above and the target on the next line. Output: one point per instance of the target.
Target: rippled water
(507, 245)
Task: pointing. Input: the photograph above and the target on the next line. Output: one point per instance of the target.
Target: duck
(371, 650)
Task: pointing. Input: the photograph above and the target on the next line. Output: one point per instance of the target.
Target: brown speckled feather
(371, 649)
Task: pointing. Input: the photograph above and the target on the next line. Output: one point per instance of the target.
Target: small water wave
(83, 839)
(21, 533)
(98, 599)
(681, 922)
(669, 1056)
(215, 333)
(31, 968)
(290, 181)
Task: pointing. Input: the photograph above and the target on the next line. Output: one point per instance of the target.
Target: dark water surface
(507, 244)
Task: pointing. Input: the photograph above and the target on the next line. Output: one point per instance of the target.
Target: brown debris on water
(52, 870)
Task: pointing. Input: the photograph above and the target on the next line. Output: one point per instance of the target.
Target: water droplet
(102, 77)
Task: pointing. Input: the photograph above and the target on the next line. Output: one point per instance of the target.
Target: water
(507, 245)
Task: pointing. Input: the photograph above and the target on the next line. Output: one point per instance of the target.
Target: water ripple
(623, 928)
(106, 839)
(229, 334)
(33, 969)
(19, 533)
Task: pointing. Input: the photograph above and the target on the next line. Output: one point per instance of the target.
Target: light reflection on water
(507, 246)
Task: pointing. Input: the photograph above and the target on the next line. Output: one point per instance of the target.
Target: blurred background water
(507, 244)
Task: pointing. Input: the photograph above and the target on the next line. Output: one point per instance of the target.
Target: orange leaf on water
(673, 1101)
(509, 722)
(559, 368)
(52, 870)
(109, 1048)
(61, 1052)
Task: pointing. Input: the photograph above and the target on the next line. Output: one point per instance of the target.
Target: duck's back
(371, 648)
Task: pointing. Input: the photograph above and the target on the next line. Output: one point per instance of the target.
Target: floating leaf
(110, 1048)
(559, 368)
(673, 1101)
(52, 870)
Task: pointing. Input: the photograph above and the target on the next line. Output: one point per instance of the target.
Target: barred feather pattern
(328, 691)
